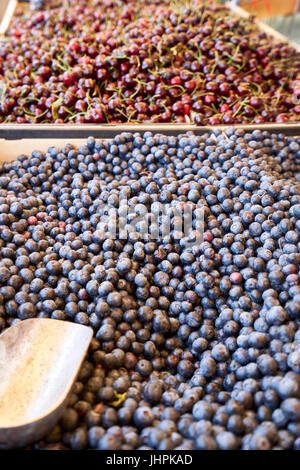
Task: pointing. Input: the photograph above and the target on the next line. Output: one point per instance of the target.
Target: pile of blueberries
(196, 346)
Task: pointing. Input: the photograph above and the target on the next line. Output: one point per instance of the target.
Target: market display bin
(17, 131)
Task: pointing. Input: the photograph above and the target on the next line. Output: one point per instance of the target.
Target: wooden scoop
(39, 362)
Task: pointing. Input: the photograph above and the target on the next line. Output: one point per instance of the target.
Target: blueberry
(220, 352)
(202, 410)
(208, 366)
(26, 310)
(293, 361)
(297, 443)
(4, 274)
(185, 368)
(108, 442)
(226, 441)
(258, 442)
(153, 392)
(143, 417)
(204, 442)
(79, 439)
(291, 408)
(144, 367)
(69, 419)
(266, 364)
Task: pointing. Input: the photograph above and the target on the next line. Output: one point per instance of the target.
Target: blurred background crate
(268, 8)
(3, 6)
(283, 16)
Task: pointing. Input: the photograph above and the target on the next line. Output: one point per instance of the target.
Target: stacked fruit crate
(230, 70)
(268, 8)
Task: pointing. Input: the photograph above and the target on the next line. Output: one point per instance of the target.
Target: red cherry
(97, 116)
(74, 46)
(255, 102)
(198, 105)
(186, 109)
(211, 86)
(174, 92)
(32, 220)
(289, 102)
(68, 78)
(257, 78)
(259, 120)
(178, 107)
(166, 116)
(228, 117)
(224, 89)
(133, 49)
(38, 79)
(153, 108)
(242, 90)
(224, 108)
(264, 62)
(39, 17)
(208, 237)
(249, 111)
(297, 109)
(214, 121)
(200, 119)
(141, 107)
(85, 59)
(282, 118)
(209, 99)
(190, 85)
(176, 81)
(124, 67)
(101, 74)
(17, 33)
(186, 99)
(236, 278)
